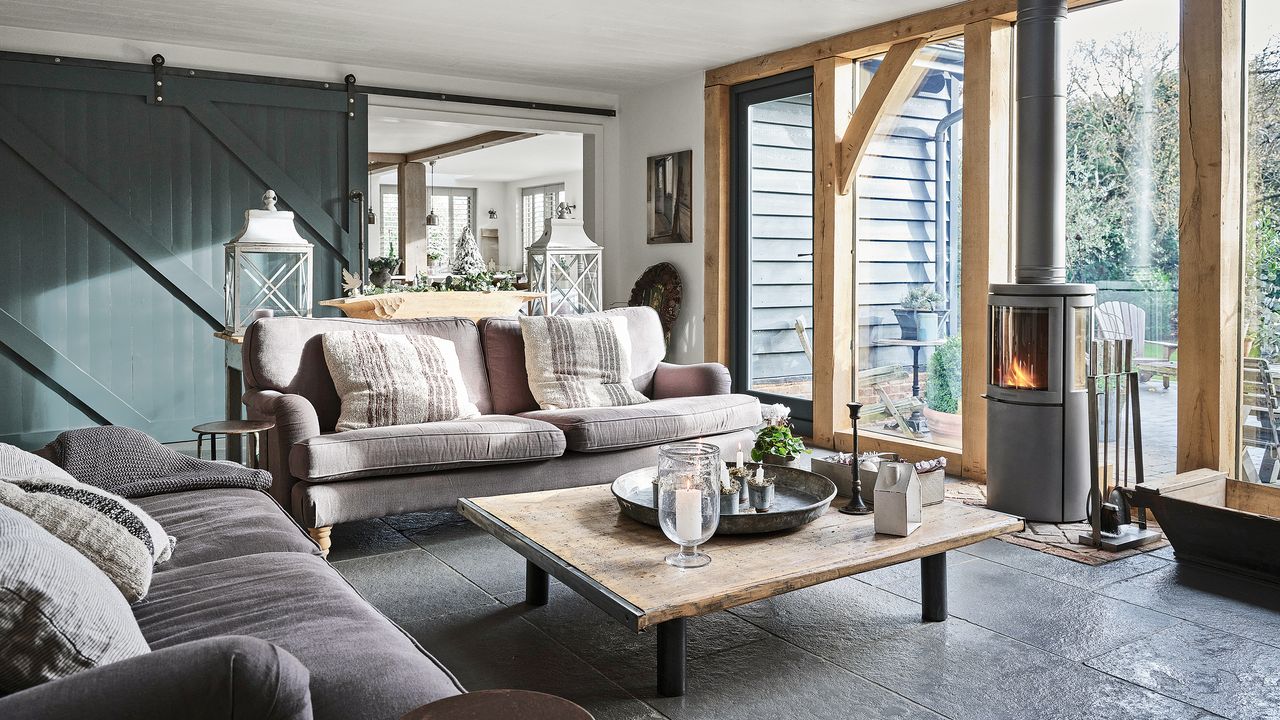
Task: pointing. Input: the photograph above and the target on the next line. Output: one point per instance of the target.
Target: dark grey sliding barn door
(113, 211)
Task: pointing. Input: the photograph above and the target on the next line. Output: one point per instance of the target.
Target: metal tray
(800, 497)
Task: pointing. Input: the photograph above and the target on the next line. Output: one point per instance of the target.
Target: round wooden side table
(250, 429)
(489, 704)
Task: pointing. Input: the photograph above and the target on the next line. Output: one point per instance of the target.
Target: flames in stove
(1020, 376)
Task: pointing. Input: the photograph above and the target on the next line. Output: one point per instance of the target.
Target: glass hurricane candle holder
(689, 477)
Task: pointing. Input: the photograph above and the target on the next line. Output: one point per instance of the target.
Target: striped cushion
(386, 379)
(579, 362)
(116, 535)
(58, 613)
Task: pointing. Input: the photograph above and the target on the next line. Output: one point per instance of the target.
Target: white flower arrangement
(776, 414)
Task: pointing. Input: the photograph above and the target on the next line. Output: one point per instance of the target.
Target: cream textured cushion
(113, 533)
(59, 614)
(579, 362)
(386, 379)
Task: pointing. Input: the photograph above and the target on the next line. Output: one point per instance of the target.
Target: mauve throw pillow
(60, 613)
(579, 362)
(385, 379)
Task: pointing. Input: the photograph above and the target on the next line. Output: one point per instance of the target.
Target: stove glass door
(1021, 339)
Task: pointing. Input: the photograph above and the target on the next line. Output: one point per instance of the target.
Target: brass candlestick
(855, 505)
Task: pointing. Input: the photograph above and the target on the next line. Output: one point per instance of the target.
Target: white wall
(662, 119)
(512, 251)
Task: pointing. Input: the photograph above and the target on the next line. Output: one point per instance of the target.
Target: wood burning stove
(1037, 396)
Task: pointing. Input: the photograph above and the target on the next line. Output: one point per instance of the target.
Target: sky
(1160, 17)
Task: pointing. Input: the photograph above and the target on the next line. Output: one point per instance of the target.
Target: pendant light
(432, 217)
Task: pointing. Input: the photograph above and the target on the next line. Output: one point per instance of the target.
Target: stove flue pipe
(1040, 252)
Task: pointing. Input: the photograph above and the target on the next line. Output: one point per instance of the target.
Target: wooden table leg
(671, 657)
(933, 587)
(537, 585)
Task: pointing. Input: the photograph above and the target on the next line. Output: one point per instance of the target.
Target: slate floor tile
(617, 651)
(418, 521)
(412, 584)
(1059, 618)
(839, 616)
(967, 672)
(496, 648)
(906, 571)
(1211, 669)
(774, 679)
(1090, 577)
(476, 554)
(1216, 599)
(365, 538)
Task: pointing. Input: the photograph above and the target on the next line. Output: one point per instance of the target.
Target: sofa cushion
(285, 354)
(59, 613)
(579, 362)
(504, 357)
(361, 664)
(659, 421)
(225, 523)
(425, 447)
(385, 379)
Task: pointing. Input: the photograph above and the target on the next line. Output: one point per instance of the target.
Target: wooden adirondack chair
(1260, 404)
(1117, 320)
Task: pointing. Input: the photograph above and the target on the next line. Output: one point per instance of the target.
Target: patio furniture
(578, 536)
(1260, 403)
(1118, 320)
(914, 424)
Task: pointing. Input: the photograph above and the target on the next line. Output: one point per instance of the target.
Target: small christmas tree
(466, 255)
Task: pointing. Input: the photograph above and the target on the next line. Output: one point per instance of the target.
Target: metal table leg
(537, 585)
(671, 657)
(933, 587)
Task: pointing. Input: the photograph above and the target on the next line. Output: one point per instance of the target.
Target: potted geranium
(921, 313)
(942, 393)
(775, 442)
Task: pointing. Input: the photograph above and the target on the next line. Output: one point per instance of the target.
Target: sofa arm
(296, 420)
(673, 381)
(213, 679)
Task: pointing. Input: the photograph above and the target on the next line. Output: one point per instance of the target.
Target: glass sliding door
(772, 242)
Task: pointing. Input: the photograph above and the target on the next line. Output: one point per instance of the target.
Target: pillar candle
(739, 454)
(688, 513)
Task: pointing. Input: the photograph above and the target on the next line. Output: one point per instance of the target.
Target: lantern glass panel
(273, 279)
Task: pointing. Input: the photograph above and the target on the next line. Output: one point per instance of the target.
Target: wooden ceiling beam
(491, 138)
(393, 158)
(376, 167)
(889, 87)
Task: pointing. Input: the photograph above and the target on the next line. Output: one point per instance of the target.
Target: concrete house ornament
(897, 499)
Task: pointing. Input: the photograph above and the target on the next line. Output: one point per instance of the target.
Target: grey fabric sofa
(247, 620)
(328, 478)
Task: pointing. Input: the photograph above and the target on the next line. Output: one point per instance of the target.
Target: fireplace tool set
(1115, 428)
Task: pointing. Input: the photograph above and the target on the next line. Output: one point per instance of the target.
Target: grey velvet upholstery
(424, 447)
(224, 523)
(659, 421)
(211, 679)
(320, 504)
(361, 664)
(326, 479)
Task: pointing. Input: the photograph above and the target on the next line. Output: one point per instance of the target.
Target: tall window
(389, 220)
(1122, 193)
(1260, 374)
(908, 255)
(536, 205)
(456, 209)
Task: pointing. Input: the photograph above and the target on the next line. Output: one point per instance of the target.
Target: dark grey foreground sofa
(246, 620)
(327, 477)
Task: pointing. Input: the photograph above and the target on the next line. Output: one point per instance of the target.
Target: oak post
(716, 249)
(411, 189)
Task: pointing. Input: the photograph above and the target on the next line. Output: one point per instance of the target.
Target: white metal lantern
(268, 267)
(565, 265)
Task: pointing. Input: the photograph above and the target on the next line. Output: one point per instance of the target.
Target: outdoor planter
(944, 426)
(920, 324)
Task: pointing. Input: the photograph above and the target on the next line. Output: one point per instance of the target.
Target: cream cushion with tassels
(579, 362)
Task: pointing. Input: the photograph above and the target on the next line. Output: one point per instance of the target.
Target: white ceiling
(608, 45)
(390, 132)
(555, 154)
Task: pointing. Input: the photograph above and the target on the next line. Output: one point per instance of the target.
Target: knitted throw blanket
(131, 463)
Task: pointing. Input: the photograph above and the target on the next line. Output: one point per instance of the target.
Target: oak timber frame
(1210, 223)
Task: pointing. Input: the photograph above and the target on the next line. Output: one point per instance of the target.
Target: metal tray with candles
(800, 497)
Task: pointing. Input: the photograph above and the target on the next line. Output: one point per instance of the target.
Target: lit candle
(739, 454)
(760, 474)
(688, 511)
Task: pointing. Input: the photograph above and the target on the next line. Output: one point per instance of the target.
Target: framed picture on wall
(669, 198)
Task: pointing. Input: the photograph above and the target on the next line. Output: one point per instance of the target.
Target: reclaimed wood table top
(579, 537)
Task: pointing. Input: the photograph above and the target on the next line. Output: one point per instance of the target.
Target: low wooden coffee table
(578, 536)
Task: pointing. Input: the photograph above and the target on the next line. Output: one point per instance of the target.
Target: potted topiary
(775, 443)
(381, 268)
(921, 313)
(942, 393)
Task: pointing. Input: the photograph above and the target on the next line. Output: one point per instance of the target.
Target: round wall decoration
(659, 287)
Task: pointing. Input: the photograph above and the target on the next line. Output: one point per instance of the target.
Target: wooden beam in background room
(491, 138)
(1209, 227)
(384, 161)
(834, 286)
(411, 218)
(889, 87)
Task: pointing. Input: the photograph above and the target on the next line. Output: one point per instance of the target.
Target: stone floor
(1030, 636)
